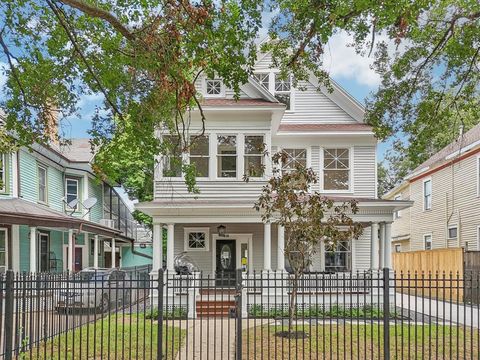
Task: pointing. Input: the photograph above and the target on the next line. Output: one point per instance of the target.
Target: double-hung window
(427, 194)
(200, 154)
(72, 191)
(213, 87)
(427, 241)
(227, 156)
(336, 169)
(295, 158)
(172, 160)
(253, 158)
(3, 173)
(283, 90)
(42, 184)
(338, 256)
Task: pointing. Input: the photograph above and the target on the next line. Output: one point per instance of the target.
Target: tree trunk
(293, 303)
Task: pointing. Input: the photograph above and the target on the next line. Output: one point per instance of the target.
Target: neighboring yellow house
(445, 190)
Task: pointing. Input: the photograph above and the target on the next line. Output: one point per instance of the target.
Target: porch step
(214, 308)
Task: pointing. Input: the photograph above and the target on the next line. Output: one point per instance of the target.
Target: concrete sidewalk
(446, 312)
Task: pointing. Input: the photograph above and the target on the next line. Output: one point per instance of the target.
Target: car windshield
(86, 276)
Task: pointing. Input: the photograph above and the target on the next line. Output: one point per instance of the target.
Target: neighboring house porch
(39, 239)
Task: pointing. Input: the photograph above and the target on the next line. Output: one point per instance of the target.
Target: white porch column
(71, 249)
(387, 257)
(33, 249)
(114, 254)
(170, 246)
(374, 263)
(382, 245)
(157, 247)
(95, 251)
(267, 247)
(280, 248)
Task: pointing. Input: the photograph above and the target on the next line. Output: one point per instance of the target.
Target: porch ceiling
(22, 212)
(242, 211)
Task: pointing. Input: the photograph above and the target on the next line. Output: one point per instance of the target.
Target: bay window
(254, 146)
(172, 160)
(338, 256)
(296, 158)
(199, 154)
(336, 169)
(227, 156)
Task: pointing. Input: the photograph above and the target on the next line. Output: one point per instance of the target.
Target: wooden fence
(422, 263)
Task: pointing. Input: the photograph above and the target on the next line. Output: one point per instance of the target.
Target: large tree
(142, 59)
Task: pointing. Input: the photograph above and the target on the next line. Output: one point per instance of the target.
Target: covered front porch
(39, 239)
(222, 237)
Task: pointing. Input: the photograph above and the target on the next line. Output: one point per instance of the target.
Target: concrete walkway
(445, 312)
(210, 338)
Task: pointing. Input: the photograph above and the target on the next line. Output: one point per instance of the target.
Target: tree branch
(71, 36)
(97, 12)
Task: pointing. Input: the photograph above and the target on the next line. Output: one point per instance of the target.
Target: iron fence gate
(264, 315)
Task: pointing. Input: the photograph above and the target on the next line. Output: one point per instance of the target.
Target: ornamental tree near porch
(308, 217)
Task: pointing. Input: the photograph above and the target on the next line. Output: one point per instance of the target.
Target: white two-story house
(218, 227)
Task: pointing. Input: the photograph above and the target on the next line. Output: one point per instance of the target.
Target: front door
(44, 252)
(78, 258)
(226, 262)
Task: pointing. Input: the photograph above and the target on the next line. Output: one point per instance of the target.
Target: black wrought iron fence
(137, 314)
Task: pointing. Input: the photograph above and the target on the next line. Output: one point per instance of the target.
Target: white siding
(312, 106)
(364, 171)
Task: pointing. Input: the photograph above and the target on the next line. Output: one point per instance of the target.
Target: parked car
(94, 288)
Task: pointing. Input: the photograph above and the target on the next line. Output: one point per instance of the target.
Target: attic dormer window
(283, 90)
(213, 87)
(263, 79)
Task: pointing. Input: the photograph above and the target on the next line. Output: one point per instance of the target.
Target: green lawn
(361, 342)
(114, 337)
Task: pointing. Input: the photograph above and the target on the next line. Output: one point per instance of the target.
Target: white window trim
(455, 226)
(204, 88)
(350, 189)
(187, 231)
(71, 178)
(208, 135)
(239, 154)
(262, 156)
(291, 92)
(6, 247)
(41, 166)
(308, 152)
(431, 241)
(423, 193)
(161, 163)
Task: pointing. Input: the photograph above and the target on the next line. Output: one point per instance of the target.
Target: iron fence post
(238, 352)
(386, 313)
(160, 315)
(9, 315)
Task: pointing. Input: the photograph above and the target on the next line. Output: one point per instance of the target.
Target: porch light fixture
(221, 229)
